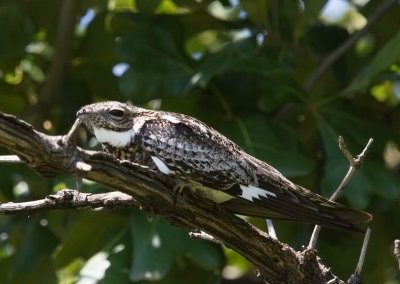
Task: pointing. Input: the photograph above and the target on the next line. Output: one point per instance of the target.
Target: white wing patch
(250, 192)
(114, 138)
(162, 167)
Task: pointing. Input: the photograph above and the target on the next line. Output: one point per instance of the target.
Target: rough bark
(49, 156)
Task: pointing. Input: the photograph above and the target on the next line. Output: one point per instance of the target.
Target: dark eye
(117, 113)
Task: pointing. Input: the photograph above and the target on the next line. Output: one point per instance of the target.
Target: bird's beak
(80, 112)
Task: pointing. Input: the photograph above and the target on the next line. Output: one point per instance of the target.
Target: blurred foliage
(237, 65)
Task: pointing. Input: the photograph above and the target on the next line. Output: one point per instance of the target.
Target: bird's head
(111, 122)
(110, 115)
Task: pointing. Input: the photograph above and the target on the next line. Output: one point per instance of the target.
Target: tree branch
(69, 199)
(152, 192)
(340, 50)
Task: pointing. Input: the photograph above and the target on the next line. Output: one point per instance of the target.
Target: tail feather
(244, 207)
(295, 203)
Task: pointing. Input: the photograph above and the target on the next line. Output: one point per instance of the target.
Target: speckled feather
(193, 151)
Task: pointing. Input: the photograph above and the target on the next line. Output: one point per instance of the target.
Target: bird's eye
(117, 113)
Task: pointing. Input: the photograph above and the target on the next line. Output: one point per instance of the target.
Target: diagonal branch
(50, 156)
(69, 199)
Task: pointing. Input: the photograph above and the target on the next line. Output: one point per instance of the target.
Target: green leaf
(271, 141)
(389, 54)
(94, 64)
(87, 224)
(383, 182)
(147, 6)
(156, 245)
(33, 245)
(344, 119)
(158, 66)
(16, 32)
(111, 265)
(238, 56)
(257, 10)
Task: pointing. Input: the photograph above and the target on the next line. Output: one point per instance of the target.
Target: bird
(203, 159)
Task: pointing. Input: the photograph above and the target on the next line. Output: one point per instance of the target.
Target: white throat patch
(114, 138)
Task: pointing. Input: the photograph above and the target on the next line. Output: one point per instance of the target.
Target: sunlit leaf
(156, 245)
(88, 224)
(157, 64)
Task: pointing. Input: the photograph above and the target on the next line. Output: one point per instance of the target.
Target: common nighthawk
(182, 146)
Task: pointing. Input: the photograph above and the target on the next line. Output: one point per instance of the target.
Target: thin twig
(345, 150)
(355, 164)
(363, 252)
(355, 278)
(343, 183)
(350, 42)
(14, 159)
(314, 237)
(69, 199)
(271, 229)
(10, 159)
(397, 250)
(72, 131)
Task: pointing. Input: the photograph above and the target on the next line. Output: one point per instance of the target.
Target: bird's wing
(193, 151)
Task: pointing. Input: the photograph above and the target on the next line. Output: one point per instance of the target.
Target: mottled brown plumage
(181, 146)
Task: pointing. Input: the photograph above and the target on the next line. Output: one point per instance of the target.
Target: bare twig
(363, 252)
(314, 237)
(397, 250)
(69, 199)
(355, 164)
(67, 138)
(10, 159)
(355, 278)
(271, 229)
(340, 50)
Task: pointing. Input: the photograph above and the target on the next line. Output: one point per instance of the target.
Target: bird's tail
(313, 208)
(289, 201)
(295, 203)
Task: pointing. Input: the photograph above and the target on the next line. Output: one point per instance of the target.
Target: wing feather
(198, 153)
